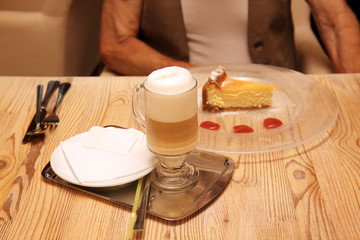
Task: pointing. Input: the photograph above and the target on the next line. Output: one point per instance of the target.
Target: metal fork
(53, 119)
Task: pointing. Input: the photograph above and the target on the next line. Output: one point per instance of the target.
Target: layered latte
(171, 111)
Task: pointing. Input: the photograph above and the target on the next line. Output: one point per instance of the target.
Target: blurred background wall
(49, 37)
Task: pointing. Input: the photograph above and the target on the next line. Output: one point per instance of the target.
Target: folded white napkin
(105, 154)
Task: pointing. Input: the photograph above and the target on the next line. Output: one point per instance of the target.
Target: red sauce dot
(242, 129)
(210, 125)
(270, 123)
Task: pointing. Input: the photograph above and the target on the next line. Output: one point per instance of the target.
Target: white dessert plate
(61, 167)
(306, 108)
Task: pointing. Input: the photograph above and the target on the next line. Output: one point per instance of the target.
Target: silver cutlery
(51, 87)
(53, 119)
(39, 128)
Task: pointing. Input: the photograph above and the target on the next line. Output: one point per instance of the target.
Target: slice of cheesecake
(222, 93)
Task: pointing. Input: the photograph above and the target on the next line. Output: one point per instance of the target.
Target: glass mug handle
(139, 89)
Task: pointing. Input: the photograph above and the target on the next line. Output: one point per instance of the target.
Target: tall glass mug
(166, 106)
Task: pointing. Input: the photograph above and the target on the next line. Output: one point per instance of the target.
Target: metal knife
(50, 89)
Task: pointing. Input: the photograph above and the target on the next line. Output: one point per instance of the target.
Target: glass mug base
(180, 178)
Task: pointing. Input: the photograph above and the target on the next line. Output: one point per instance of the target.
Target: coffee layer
(172, 138)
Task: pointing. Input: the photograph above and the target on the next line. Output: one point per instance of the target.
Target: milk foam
(171, 95)
(170, 80)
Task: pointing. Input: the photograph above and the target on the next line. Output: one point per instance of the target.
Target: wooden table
(308, 192)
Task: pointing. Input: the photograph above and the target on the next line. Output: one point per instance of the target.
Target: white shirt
(216, 31)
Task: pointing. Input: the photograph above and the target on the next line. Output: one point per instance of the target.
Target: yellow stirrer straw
(134, 209)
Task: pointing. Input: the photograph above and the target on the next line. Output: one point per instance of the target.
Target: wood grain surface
(308, 192)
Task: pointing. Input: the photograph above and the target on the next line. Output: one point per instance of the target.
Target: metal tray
(214, 174)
